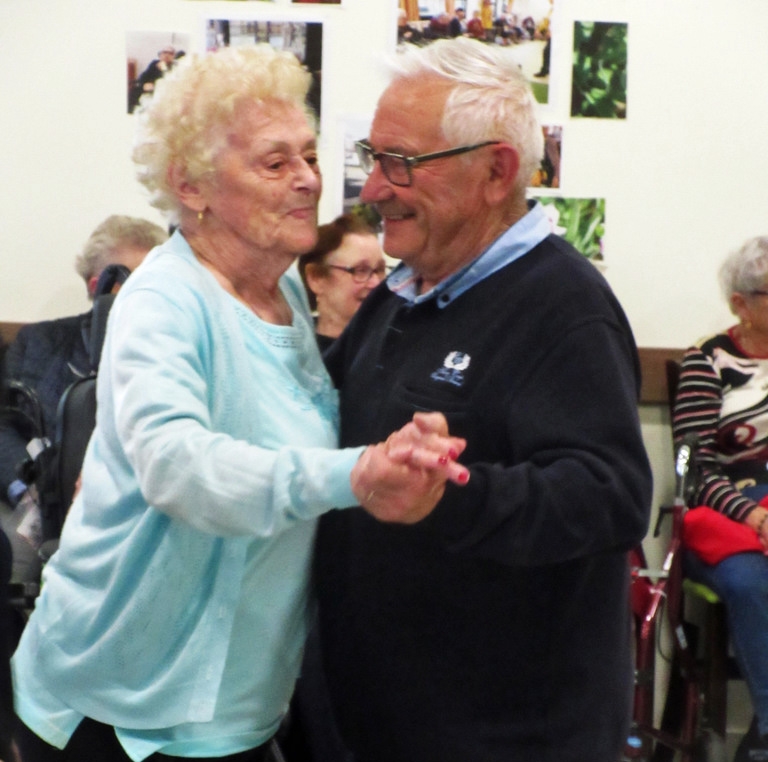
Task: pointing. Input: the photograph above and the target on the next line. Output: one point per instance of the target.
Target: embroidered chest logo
(452, 371)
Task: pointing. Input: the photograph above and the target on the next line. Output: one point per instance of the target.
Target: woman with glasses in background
(346, 264)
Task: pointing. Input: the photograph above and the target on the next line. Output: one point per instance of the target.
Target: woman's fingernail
(463, 477)
(442, 460)
(452, 454)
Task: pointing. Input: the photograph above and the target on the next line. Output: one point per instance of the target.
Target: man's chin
(396, 242)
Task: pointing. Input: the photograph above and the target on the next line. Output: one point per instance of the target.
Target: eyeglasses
(363, 273)
(398, 169)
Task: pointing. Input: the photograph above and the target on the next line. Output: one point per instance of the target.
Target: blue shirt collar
(527, 233)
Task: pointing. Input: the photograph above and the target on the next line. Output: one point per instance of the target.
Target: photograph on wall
(581, 221)
(548, 173)
(522, 26)
(149, 56)
(303, 38)
(351, 129)
(599, 78)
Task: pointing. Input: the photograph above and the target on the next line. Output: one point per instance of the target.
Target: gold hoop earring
(200, 216)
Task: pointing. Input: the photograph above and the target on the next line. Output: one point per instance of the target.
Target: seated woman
(173, 616)
(345, 265)
(722, 398)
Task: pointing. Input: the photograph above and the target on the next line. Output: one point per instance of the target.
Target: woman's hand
(402, 480)
(758, 520)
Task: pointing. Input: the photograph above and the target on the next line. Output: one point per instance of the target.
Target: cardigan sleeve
(697, 408)
(155, 400)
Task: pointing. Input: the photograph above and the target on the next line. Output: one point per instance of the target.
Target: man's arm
(576, 480)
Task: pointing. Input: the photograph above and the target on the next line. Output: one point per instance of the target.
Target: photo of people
(303, 38)
(353, 129)
(149, 56)
(548, 173)
(522, 25)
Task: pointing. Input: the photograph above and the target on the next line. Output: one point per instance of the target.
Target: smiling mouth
(388, 217)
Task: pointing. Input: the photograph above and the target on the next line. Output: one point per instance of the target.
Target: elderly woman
(722, 398)
(345, 265)
(172, 618)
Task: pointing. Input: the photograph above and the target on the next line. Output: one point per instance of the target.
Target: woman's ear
(187, 192)
(739, 306)
(315, 278)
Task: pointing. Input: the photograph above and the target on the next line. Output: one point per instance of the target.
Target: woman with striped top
(722, 398)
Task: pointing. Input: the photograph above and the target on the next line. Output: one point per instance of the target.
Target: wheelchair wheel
(710, 747)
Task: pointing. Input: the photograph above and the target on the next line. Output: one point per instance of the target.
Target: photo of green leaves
(599, 82)
(581, 221)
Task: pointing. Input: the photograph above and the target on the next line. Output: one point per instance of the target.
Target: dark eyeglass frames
(398, 169)
(363, 273)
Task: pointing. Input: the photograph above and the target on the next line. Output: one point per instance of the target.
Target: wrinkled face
(338, 294)
(437, 224)
(266, 182)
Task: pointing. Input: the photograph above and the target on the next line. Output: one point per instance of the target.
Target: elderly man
(495, 627)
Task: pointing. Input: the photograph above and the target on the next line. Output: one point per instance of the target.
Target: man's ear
(188, 193)
(502, 173)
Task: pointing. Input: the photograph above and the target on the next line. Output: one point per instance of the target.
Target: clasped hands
(402, 480)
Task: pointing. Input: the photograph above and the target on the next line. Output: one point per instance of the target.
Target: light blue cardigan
(179, 593)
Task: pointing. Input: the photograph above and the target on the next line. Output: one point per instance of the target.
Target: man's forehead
(407, 112)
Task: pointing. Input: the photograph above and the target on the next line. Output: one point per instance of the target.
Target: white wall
(682, 175)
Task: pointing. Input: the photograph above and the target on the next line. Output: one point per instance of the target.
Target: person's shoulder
(52, 329)
(170, 262)
(708, 343)
(557, 262)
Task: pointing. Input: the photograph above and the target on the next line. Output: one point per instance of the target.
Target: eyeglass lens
(363, 273)
(394, 167)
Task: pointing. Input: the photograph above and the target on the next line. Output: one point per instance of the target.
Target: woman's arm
(697, 408)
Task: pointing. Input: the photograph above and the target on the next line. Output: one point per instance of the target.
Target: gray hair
(745, 269)
(115, 233)
(491, 99)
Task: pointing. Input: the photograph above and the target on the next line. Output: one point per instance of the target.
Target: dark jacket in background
(47, 357)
